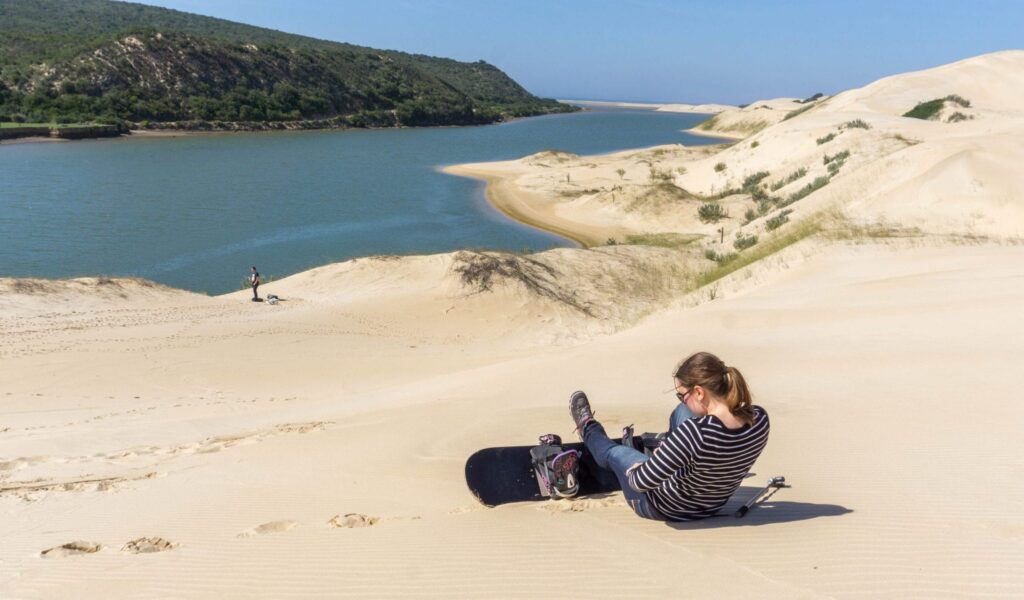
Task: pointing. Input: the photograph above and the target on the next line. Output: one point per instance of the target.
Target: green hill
(99, 60)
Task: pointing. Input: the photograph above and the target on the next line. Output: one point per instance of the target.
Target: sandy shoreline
(158, 443)
(137, 134)
(32, 140)
(517, 205)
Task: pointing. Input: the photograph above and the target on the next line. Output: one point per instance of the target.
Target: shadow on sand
(767, 511)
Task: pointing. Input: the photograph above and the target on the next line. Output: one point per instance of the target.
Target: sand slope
(858, 352)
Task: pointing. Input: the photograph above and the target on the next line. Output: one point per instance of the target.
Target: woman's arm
(677, 452)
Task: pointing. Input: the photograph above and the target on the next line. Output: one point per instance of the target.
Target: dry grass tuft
(482, 270)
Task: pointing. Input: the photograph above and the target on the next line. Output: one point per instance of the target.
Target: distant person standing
(254, 281)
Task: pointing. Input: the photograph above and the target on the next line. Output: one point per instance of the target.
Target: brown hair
(709, 372)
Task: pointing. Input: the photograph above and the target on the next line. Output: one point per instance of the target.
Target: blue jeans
(617, 458)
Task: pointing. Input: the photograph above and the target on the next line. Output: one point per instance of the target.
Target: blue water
(196, 212)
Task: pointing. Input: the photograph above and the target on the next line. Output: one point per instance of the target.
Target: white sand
(213, 447)
(706, 108)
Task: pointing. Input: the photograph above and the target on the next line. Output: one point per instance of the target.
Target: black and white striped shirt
(699, 465)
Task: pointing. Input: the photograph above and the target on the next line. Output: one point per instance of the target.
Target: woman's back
(700, 465)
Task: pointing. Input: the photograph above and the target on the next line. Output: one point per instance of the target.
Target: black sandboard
(502, 475)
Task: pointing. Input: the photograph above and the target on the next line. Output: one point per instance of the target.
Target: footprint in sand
(71, 549)
(146, 545)
(13, 465)
(271, 527)
(352, 520)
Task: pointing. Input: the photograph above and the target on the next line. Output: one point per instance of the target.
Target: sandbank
(521, 206)
(614, 104)
(707, 108)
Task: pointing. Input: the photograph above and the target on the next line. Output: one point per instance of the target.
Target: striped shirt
(699, 465)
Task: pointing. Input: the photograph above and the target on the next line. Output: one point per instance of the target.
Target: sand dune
(156, 443)
(939, 177)
(737, 123)
(990, 82)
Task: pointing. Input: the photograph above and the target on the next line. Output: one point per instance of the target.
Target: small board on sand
(501, 475)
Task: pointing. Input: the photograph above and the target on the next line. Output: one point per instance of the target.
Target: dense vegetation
(926, 110)
(930, 110)
(98, 60)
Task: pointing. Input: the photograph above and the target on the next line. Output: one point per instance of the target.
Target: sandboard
(502, 475)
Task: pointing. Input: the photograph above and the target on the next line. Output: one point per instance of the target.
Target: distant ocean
(197, 211)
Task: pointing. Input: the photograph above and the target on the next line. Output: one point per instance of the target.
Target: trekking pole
(778, 481)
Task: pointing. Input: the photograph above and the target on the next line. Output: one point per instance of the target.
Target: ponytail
(738, 397)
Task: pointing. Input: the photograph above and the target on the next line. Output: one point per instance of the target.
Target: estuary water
(196, 211)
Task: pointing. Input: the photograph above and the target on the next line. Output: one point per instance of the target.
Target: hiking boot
(579, 408)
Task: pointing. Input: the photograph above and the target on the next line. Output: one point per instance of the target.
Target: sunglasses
(682, 397)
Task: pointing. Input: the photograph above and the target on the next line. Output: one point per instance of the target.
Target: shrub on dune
(798, 112)
(788, 180)
(826, 139)
(838, 156)
(856, 124)
(744, 242)
(719, 258)
(778, 220)
(711, 212)
(818, 183)
(751, 182)
(956, 99)
(813, 98)
(930, 110)
(926, 110)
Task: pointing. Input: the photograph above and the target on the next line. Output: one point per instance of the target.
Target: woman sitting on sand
(715, 435)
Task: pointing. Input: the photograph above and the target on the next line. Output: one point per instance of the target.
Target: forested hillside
(98, 60)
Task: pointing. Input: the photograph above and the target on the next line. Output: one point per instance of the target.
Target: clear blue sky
(656, 50)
